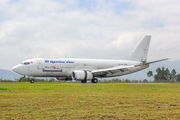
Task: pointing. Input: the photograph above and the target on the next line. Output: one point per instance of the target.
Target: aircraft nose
(16, 69)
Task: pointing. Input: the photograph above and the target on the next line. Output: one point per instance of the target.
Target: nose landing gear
(31, 78)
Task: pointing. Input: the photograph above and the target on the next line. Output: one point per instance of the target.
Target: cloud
(88, 29)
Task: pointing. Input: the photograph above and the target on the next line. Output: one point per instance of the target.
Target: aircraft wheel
(31, 81)
(94, 80)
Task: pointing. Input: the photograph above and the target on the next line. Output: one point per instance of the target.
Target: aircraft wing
(103, 72)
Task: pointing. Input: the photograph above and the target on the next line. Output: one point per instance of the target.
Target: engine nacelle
(63, 78)
(82, 75)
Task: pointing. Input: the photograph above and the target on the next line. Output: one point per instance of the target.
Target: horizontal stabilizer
(147, 63)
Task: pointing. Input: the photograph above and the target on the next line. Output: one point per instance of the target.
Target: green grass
(89, 101)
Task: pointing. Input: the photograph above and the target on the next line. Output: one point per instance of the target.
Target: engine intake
(82, 75)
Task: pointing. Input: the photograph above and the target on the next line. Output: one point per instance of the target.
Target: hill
(7, 74)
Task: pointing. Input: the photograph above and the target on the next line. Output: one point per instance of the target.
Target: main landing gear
(83, 81)
(94, 80)
(32, 81)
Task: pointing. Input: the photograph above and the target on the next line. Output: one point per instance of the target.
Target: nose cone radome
(16, 69)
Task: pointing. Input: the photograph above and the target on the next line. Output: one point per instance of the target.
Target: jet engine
(82, 75)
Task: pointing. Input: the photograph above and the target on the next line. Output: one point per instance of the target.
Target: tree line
(164, 75)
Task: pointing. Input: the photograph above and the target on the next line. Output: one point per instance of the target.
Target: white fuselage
(86, 69)
(63, 67)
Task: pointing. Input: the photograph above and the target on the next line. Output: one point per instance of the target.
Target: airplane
(86, 69)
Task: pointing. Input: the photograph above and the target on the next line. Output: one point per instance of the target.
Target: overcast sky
(108, 29)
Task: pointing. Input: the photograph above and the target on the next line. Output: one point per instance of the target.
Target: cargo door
(39, 64)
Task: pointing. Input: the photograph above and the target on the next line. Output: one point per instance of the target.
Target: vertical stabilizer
(140, 54)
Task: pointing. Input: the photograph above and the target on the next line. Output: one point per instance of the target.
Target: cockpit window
(26, 63)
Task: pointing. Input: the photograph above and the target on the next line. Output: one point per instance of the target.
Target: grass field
(89, 101)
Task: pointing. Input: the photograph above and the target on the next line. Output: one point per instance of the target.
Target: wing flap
(111, 70)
